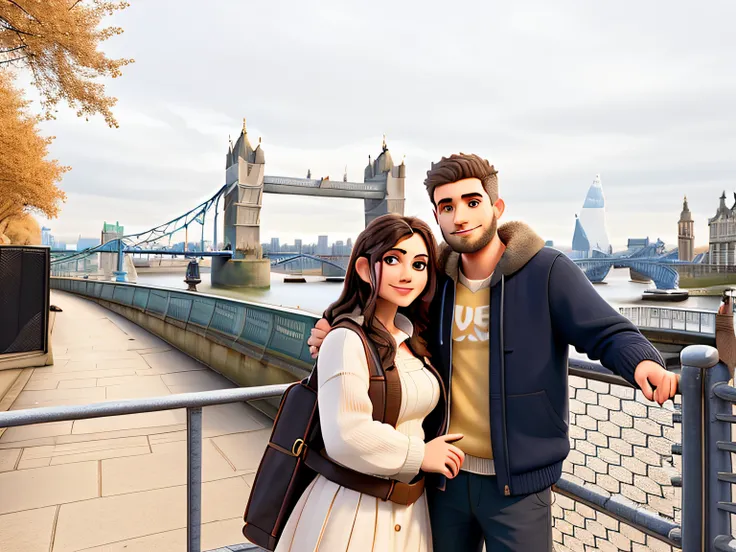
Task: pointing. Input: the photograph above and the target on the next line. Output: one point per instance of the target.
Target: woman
(392, 268)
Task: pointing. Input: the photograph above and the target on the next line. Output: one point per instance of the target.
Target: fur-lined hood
(521, 242)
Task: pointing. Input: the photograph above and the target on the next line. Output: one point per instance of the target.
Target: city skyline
(651, 114)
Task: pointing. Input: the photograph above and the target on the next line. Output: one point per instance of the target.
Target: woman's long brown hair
(379, 237)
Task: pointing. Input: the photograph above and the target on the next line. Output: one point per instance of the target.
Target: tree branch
(4, 61)
(13, 49)
(23, 10)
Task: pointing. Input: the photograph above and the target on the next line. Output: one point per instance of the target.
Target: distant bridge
(337, 262)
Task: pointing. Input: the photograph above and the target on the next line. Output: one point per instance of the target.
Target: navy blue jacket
(541, 303)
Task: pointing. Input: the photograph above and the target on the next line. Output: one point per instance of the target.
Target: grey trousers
(471, 510)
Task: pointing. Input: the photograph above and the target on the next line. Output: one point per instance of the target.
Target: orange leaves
(27, 179)
(58, 40)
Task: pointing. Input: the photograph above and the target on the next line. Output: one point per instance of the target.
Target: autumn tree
(27, 178)
(57, 40)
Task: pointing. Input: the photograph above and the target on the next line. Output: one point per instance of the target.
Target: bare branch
(7, 51)
(23, 10)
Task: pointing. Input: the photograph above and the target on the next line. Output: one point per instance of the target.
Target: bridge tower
(383, 170)
(244, 171)
(685, 234)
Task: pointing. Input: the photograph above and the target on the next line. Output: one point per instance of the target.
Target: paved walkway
(119, 483)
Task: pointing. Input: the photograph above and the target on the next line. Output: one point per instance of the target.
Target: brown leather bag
(295, 452)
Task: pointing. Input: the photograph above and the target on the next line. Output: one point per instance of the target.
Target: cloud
(552, 94)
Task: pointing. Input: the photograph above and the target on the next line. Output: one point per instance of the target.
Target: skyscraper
(593, 217)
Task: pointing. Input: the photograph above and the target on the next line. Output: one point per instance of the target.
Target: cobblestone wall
(621, 444)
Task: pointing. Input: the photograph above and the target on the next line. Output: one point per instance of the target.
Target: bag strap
(385, 386)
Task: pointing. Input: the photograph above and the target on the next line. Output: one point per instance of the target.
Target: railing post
(194, 478)
(694, 360)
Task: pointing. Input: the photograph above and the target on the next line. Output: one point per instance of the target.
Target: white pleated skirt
(331, 518)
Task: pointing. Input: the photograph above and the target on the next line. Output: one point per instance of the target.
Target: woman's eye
(390, 260)
(420, 265)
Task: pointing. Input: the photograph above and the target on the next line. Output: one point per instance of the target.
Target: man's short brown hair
(461, 166)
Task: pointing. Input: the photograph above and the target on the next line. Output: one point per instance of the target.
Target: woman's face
(402, 272)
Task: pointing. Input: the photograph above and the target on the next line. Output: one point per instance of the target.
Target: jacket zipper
(449, 364)
(506, 488)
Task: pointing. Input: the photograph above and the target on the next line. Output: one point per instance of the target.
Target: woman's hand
(442, 457)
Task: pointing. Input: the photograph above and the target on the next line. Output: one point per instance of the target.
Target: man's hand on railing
(649, 374)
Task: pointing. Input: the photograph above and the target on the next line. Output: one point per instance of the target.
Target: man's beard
(463, 245)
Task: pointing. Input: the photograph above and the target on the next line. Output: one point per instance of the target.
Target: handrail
(193, 402)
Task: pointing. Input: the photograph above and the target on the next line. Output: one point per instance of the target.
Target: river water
(316, 294)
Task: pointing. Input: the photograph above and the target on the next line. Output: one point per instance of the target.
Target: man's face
(465, 214)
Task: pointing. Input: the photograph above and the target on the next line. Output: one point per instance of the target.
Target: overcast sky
(552, 93)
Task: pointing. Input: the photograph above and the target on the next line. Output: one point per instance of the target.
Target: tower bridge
(382, 192)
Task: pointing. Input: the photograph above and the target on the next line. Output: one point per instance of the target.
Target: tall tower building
(685, 234)
(593, 217)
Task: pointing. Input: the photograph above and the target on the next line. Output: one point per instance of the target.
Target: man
(505, 313)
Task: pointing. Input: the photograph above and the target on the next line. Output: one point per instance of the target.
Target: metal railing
(679, 320)
(193, 402)
(705, 418)
(250, 328)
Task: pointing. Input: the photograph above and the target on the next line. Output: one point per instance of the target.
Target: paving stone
(660, 445)
(634, 436)
(40, 487)
(648, 426)
(621, 474)
(634, 408)
(165, 467)
(634, 465)
(595, 527)
(577, 382)
(599, 387)
(621, 419)
(586, 474)
(573, 544)
(609, 483)
(565, 502)
(564, 526)
(648, 456)
(621, 447)
(598, 412)
(609, 429)
(586, 396)
(586, 422)
(619, 540)
(98, 522)
(648, 485)
(584, 536)
(586, 447)
(598, 439)
(664, 506)
(8, 459)
(623, 392)
(604, 545)
(89, 450)
(632, 534)
(597, 465)
(577, 432)
(609, 456)
(610, 402)
(634, 493)
(27, 531)
(576, 457)
(215, 536)
(577, 407)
